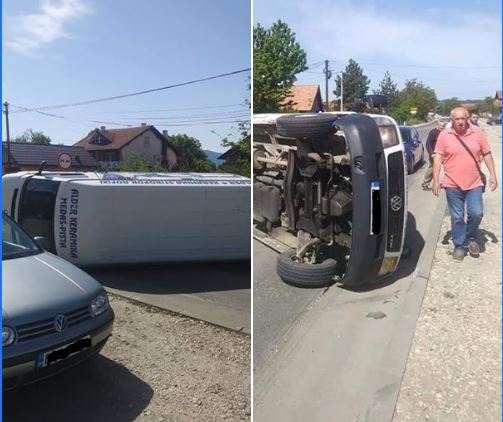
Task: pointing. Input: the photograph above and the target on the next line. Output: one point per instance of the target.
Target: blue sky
(65, 51)
(454, 47)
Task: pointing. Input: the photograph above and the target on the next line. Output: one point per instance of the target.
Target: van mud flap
(368, 172)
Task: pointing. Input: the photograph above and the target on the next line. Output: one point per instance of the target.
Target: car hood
(40, 286)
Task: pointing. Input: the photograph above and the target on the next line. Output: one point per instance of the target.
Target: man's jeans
(456, 200)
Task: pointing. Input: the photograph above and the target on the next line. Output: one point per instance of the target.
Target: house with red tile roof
(112, 146)
(304, 99)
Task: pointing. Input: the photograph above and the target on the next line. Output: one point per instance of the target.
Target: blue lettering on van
(63, 221)
(73, 234)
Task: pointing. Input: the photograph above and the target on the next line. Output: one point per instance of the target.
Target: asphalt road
(316, 351)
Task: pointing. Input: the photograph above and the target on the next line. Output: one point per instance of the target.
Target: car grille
(396, 190)
(44, 327)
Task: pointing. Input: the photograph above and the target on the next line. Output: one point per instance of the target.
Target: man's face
(459, 121)
(440, 126)
(474, 119)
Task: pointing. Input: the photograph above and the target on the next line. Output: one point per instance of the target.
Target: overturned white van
(127, 218)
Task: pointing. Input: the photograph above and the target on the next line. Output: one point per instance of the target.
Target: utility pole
(328, 75)
(342, 91)
(6, 111)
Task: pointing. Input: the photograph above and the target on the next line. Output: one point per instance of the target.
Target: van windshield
(15, 242)
(37, 209)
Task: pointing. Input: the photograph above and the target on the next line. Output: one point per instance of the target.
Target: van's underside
(321, 188)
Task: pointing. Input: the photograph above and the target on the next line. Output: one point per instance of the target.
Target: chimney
(165, 133)
(102, 128)
(144, 124)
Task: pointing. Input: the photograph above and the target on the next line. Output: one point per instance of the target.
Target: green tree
(191, 156)
(487, 105)
(356, 86)
(416, 94)
(444, 107)
(134, 162)
(388, 88)
(29, 136)
(277, 58)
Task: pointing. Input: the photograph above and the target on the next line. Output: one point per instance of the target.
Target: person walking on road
(430, 148)
(458, 150)
(474, 118)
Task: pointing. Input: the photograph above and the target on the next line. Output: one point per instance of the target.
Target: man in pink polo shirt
(459, 149)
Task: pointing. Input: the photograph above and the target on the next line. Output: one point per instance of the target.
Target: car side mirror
(42, 242)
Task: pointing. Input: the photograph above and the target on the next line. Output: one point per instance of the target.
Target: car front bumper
(21, 370)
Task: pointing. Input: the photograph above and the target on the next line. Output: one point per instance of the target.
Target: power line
(132, 94)
(69, 118)
(424, 66)
(175, 109)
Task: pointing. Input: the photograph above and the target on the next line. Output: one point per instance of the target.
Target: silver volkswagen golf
(54, 315)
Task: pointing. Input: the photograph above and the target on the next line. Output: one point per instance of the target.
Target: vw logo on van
(396, 203)
(60, 322)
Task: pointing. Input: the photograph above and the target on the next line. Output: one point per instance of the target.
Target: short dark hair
(472, 112)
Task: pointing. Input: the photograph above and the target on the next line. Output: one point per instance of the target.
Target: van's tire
(305, 125)
(305, 275)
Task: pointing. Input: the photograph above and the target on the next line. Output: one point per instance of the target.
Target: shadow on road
(483, 237)
(176, 278)
(415, 242)
(96, 390)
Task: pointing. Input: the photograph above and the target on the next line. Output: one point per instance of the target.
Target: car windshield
(15, 242)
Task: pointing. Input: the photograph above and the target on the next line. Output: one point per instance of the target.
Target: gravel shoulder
(454, 367)
(157, 366)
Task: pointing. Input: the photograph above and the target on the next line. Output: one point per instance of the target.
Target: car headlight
(8, 336)
(99, 304)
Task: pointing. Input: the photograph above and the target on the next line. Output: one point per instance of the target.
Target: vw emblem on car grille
(60, 322)
(396, 203)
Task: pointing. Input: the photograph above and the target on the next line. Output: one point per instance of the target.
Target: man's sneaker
(473, 248)
(458, 254)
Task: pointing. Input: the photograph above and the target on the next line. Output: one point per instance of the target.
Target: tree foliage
(356, 86)
(242, 163)
(29, 136)
(487, 106)
(416, 94)
(388, 88)
(135, 162)
(191, 156)
(277, 58)
(444, 107)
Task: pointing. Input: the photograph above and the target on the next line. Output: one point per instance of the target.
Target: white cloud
(28, 32)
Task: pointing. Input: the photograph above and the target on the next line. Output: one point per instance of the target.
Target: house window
(146, 140)
(100, 140)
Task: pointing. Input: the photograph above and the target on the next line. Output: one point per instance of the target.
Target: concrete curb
(425, 261)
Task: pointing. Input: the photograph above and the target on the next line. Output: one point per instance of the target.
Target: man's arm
(437, 166)
(493, 181)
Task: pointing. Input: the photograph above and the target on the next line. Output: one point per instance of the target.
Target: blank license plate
(56, 355)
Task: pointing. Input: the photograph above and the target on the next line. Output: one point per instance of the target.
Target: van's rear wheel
(305, 125)
(305, 275)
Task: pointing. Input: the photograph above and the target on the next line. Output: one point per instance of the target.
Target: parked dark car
(494, 121)
(414, 148)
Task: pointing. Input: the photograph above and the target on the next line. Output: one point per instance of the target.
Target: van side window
(38, 202)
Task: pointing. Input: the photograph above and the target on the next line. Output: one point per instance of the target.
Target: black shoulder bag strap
(482, 175)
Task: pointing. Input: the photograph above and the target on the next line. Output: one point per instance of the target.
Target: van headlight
(99, 304)
(389, 135)
(8, 336)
